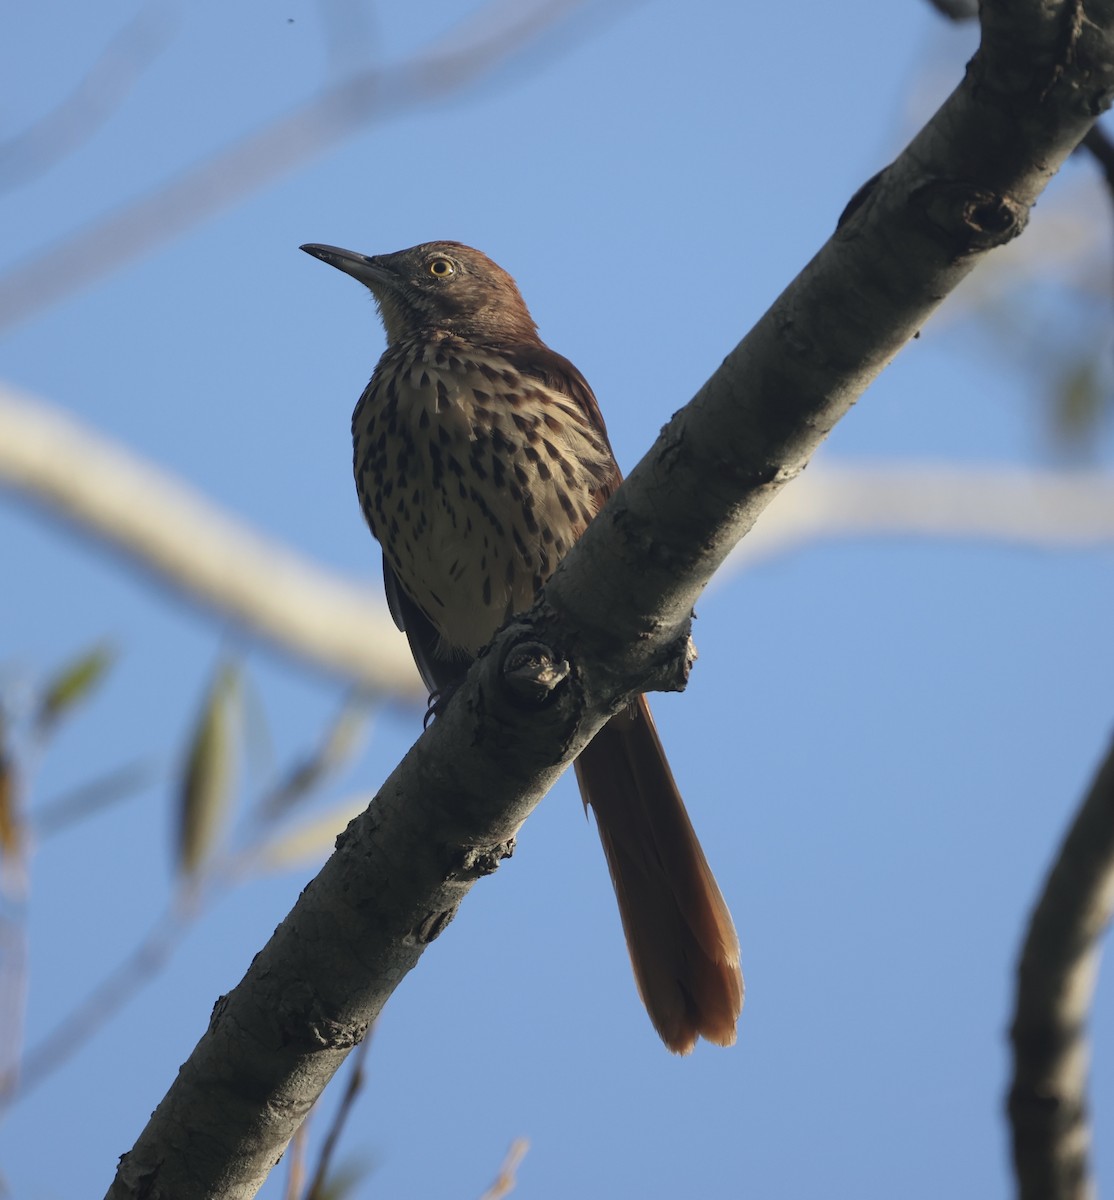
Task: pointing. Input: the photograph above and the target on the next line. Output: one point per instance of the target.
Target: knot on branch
(431, 925)
(674, 666)
(974, 219)
(666, 670)
(477, 861)
(302, 1021)
(994, 220)
(859, 198)
(532, 672)
(683, 662)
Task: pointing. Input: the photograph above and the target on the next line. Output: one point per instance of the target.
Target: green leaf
(71, 685)
(209, 782)
(1079, 402)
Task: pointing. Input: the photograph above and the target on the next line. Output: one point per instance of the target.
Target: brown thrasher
(480, 457)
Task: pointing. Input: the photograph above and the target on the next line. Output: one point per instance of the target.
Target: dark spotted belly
(475, 481)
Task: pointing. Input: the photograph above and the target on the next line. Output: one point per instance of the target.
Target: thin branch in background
(349, 33)
(19, 1076)
(183, 540)
(342, 739)
(100, 93)
(356, 1077)
(89, 798)
(506, 1180)
(70, 1034)
(14, 976)
(295, 1157)
(54, 701)
(1055, 984)
(458, 60)
(1040, 509)
(172, 531)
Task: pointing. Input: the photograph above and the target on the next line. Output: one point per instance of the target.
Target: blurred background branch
(208, 789)
(1045, 509)
(175, 534)
(185, 541)
(1056, 979)
(97, 95)
(485, 39)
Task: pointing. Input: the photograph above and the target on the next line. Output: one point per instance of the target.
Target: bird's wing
(438, 670)
(555, 371)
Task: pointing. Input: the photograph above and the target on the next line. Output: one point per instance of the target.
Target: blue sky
(882, 741)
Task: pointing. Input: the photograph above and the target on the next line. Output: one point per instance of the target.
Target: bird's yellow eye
(441, 267)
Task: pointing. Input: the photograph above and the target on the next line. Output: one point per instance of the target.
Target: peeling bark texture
(1055, 986)
(617, 609)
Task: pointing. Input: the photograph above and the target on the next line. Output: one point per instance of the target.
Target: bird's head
(437, 286)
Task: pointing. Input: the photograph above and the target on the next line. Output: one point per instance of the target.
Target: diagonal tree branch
(618, 608)
(1055, 986)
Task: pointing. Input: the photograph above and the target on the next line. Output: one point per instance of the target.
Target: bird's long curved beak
(369, 271)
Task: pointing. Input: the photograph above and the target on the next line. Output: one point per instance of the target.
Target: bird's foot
(435, 705)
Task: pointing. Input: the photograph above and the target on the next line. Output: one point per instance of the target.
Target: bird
(480, 456)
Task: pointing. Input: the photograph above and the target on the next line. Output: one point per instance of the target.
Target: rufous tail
(680, 935)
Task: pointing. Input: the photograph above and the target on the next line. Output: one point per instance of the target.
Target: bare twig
(348, 30)
(1056, 982)
(145, 961)
(102, 90)
(343, 737)
(89, 798)
(296, 1162)
(13, 991)
(356, 1076)
(506, 1179)
(459, 60)
(18, 1078)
